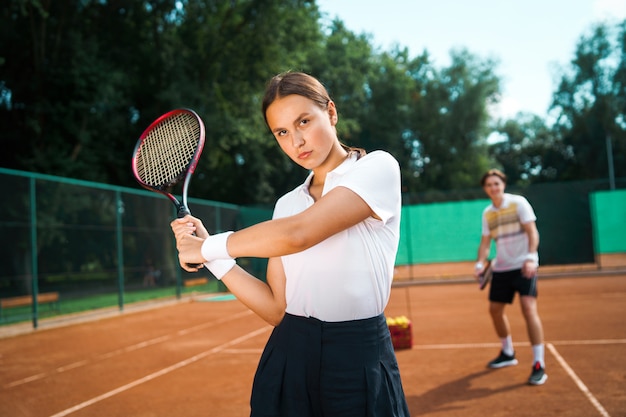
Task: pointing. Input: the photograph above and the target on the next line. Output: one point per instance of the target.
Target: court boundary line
(579, 383)
(224, 349)
(550, 345)
(468, 279)
(126, 349)
(161, 372)
(496, 345)
(474, 345)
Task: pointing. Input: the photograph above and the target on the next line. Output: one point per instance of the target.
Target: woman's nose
(297, 139)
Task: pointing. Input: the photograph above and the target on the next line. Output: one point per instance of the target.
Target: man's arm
(483, 253)
(529, 269)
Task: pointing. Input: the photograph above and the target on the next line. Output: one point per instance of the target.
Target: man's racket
(167, 153)
(484, 278)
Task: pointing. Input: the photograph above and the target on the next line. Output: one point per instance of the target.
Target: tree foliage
(80, 80)
(591, 100)
(589, 107)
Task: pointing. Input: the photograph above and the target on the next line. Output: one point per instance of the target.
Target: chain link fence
(80, 245)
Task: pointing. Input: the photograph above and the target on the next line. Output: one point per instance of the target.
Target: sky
(531, 39)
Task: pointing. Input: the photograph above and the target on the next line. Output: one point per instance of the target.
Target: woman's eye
(281, 133)
(304, 122)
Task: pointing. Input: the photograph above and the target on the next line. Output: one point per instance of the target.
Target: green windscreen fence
(97, 245)
(609, 216)
(440, 232)
(450, 231)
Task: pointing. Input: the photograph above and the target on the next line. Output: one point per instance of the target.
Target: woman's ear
(332, 113)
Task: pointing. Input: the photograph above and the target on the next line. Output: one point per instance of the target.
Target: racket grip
(182, 211)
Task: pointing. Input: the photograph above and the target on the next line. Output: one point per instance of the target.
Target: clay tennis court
(197, 357)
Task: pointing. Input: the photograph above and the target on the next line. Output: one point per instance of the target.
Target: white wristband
(534, 256)
(220, 267)
(214, 247)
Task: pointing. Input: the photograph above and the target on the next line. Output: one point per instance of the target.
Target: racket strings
(168, 149)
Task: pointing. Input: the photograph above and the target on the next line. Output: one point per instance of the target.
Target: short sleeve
(376, 179)
(525, 211)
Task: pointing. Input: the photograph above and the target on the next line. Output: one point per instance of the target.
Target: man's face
(494, 187)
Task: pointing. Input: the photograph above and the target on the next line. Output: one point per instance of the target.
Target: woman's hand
(189, 252)
(189, 225)
(189, 233)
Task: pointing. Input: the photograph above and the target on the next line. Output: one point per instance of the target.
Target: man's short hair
(491, 173)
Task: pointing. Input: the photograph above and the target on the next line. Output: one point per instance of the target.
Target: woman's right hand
(188, 225)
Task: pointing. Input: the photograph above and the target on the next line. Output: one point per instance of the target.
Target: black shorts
(311, 368)
(505, 284)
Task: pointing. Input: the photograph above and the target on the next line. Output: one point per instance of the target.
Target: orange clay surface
(198, 357)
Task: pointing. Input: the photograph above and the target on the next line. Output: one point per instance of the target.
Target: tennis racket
(167, 153)
(484, 278)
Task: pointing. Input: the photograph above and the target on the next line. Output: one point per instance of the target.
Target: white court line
(137, 346)
(553, 350)
(495, 345)
(588, 342)
(457, 346)
(577, 381)
(161, 372)
(244, 351)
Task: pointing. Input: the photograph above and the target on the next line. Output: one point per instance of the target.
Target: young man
(510, 221)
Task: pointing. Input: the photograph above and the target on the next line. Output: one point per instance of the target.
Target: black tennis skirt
(311, 368)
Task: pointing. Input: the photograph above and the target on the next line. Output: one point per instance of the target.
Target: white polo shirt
(504, 225)
(347, 276)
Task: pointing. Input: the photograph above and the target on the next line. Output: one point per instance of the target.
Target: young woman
(331, 246)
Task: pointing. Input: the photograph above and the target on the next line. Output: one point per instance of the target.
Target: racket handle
(182, 212)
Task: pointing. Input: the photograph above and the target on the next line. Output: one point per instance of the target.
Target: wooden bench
(51, 298)
(195, 281)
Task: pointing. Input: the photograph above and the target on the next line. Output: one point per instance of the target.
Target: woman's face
(494, 187)
(304, 131)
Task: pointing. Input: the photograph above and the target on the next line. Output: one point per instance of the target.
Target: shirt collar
(345, 165)
(338, 171)
(505, 202)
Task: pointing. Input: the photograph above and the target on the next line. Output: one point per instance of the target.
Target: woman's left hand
(188, 244)
(189, 252)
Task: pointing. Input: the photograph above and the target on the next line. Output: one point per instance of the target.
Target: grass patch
(77, 304)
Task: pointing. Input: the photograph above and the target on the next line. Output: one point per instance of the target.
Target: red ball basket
(401, 332)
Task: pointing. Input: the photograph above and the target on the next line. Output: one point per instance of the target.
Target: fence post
(33, 251)
(120, 249)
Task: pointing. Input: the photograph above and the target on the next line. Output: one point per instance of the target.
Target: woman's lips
(304, 155)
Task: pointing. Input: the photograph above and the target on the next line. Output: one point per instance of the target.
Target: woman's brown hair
(301, 84)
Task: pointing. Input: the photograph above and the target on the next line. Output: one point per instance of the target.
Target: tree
(71, 70)
(388, 120)
(344, 65)
(450, 122)
(80, 80)
(528, 150)
(590, 99)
